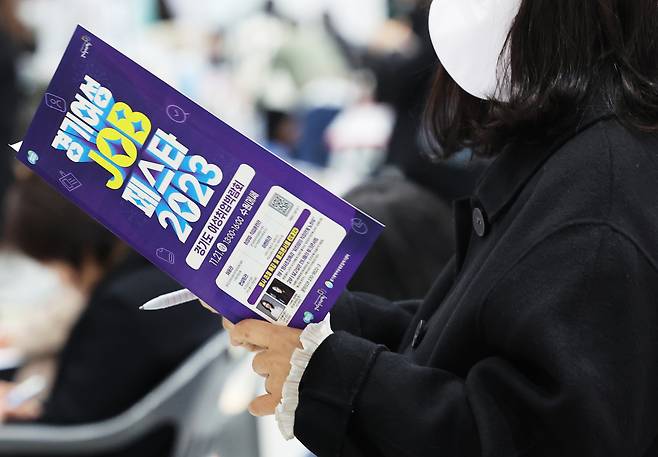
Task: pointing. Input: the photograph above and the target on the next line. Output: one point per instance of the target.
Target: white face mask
(469, 36)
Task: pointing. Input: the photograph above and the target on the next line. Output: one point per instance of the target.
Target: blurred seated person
(115, 354)
(282, 133)
(403, 62)
(417, 210)
(416, 245)
(8, 95)
(15, 38)
(39, 303)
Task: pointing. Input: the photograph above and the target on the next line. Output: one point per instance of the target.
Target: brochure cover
(237, 226)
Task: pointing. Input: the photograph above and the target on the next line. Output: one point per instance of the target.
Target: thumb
(208, 307)
(3, 402)
(227, 324)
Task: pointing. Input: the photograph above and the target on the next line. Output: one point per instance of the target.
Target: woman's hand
(274, 345)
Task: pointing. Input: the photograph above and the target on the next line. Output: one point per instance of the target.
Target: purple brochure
(237, 226)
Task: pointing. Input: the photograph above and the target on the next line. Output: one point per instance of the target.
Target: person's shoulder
(600, 162)
(634, 204)
(633, 160)
(620, 160)
(607, 150)
(606, 174)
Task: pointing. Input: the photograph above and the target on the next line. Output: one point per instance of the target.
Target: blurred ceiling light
(302, 10)
(214, 13)
(358, 21)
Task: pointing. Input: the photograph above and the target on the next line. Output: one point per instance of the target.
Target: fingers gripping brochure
(240, 228)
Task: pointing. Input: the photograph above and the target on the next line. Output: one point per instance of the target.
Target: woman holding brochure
(540, 338)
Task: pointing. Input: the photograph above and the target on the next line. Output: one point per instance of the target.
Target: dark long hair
(564, 56)
(44, 225)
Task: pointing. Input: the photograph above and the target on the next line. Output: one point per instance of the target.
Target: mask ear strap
(468, 37)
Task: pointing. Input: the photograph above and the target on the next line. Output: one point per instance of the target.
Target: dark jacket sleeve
(379, 320)
(373, 318)
(573, 328)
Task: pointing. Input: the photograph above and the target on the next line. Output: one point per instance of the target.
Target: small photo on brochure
(271, 307)
(281, 292)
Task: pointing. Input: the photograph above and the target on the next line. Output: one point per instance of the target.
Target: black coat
(117, 354)
(539, 339)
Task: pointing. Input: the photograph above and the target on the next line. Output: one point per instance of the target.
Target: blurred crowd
(335, 87)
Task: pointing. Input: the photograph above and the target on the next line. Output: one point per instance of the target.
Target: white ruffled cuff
(311, 338)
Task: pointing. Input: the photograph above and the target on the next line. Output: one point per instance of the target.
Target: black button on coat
(541, 336)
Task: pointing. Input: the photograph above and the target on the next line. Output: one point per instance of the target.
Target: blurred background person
(283, 132)
(14, 39)
(39, 304)
(401, 58)
(416, 244)
(411, 194)
(115, 354)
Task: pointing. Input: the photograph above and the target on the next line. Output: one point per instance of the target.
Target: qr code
(281, 204)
